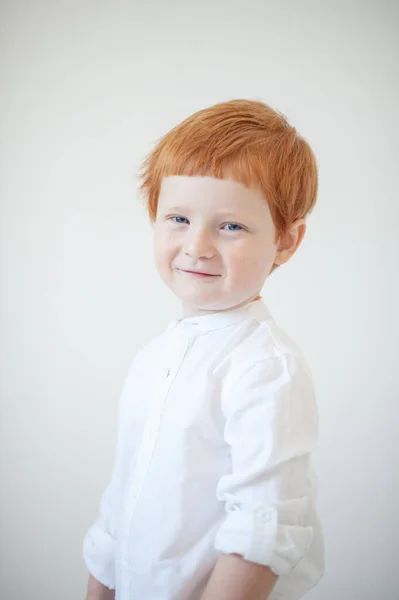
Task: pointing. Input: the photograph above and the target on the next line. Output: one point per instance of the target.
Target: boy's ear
(288, 243)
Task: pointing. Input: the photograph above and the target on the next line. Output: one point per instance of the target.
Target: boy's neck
(189, 311)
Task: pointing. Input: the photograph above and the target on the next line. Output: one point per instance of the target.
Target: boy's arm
(98, 591)
(99, 542)
(234, 578)
(271, 429)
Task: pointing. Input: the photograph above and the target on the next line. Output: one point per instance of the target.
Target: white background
(86, 90)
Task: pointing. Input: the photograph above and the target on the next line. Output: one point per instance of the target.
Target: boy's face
(214, 242)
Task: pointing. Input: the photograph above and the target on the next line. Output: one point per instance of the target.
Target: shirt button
(264, 515)
(166, 373)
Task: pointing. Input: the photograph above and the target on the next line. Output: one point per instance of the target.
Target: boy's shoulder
(265, 339)
(266, 362)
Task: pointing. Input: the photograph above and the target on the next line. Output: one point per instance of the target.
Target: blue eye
(233, 225)
(181, 221)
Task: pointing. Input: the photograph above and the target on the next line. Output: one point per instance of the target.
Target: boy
(212, 495)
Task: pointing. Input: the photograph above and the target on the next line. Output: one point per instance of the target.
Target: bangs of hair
(243, 140)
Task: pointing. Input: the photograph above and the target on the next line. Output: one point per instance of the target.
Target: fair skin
(98, 591)
(223, 229)
(234, 578)
(224, 232)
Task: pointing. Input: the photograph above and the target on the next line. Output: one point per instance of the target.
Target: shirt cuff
(99, 555)
(259, 538)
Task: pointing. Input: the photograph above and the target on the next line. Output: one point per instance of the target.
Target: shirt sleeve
(271, 428)
(100, 540)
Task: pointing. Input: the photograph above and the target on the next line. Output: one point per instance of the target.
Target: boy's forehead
(185, 188)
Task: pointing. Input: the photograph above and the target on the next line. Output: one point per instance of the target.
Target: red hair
(243, 140)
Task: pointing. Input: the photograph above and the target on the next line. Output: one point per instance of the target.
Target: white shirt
(217, 421)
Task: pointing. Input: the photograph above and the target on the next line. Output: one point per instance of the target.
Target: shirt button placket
(151, 429)
(150, 433)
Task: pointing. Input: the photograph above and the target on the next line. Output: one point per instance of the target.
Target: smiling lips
(199, 273)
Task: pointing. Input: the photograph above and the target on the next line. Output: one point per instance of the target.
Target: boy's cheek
(161, 245)
(161, 257)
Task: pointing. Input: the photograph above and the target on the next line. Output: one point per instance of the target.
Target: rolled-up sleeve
(99, 543)
(271, 429)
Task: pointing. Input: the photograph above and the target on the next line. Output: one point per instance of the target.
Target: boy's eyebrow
(177, 209)
(221, 213)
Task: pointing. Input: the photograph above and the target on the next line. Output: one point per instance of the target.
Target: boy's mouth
(199, 273)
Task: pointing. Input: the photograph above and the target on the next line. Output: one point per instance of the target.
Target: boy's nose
(199, 246)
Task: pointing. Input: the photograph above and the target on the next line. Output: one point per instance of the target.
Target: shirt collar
(253, 310)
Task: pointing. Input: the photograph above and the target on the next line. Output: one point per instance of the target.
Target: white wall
(86, 89)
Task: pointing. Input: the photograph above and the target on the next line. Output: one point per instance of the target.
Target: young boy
(212, 494)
